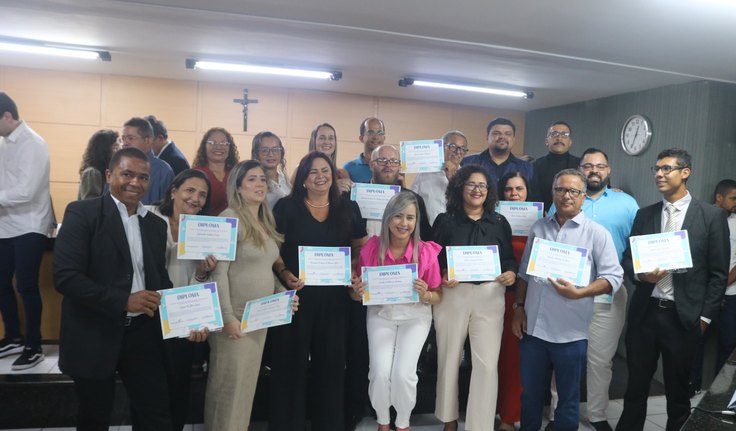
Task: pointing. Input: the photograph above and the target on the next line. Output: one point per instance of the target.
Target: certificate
(667, 250)
(201, 236)
(372, 198)
(557, 260)
(324, 266)
(189, 308)
(521, 215)
(266, 312)
(390, 284)
(422, 156)
(473, 262)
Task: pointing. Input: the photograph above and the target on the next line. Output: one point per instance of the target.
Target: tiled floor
(656, 411)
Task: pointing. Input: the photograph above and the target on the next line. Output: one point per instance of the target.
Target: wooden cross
(245, 102)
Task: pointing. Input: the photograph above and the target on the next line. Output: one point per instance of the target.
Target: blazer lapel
(114, 226)
(657, 217)
(690, 215)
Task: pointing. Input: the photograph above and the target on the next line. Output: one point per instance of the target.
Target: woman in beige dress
(235, 357)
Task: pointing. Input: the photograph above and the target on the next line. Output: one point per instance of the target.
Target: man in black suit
(669, 311)
(109, 261)
(164, 148)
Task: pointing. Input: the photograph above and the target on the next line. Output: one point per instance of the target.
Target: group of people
(527, 335)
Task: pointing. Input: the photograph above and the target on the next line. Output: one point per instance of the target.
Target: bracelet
(201, 278)
(430, 297)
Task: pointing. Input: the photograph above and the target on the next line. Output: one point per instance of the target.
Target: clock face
(636, 134)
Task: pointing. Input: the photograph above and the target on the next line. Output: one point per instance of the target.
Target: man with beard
(498, 159)
(558, 142)
(615, 210)
(431, 186)
(372, 135)
(725, 197)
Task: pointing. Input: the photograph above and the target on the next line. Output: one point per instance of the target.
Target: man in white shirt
(431, 186)
(725, 197)
(25, 221)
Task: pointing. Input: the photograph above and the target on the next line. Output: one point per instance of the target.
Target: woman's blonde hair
(398, 203)
(248, 229)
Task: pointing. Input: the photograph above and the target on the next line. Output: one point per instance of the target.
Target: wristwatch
(517, 305)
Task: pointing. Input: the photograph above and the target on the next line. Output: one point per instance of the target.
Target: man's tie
(665, 284)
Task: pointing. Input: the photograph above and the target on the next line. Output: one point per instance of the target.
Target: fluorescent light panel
(48, 50)
(251, 68)
(470, 88)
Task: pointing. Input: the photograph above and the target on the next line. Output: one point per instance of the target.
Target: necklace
(316, 206)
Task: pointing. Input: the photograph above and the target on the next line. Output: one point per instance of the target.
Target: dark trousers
(726, 330)
(661, 332)
(141, 368)
(356, 366)
(313, 345)
(179, 357)
(21, 255)
(538, 359)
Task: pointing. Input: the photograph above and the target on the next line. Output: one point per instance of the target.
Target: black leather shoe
(601, 426)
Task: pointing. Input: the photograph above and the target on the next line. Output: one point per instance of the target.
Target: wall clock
(636, 134)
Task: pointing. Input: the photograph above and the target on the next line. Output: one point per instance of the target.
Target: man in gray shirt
(552, 316)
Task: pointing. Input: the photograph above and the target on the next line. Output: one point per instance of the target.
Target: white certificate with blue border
(267, 312)
(558, 260)
(201, 236)
(189, 308)
(422, 156)
(521, 215)
(390, 284)
(372, 198)
(666, 250)
(473, 263)
(324, 266)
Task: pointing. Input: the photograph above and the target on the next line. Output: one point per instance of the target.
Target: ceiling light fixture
(405, 82)
(43, 48)
(268, 70)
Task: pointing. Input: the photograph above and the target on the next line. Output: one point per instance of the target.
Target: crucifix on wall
(245, 102)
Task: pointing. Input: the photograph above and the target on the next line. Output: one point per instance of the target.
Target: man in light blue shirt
(552, 316)
(138, 133)
(615, 210)
(372, 135)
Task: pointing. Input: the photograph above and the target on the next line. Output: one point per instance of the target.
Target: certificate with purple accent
(473, 262)
(666, 250)
(189, 308)
(201, 236)
(267, 312)
(422, 156)
(372, 198)
(558, 260)
(324, 266)
(390, 284)
(521, 215)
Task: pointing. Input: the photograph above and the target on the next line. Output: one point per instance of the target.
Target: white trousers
(394, 347)
(603, 335)
(475, 311)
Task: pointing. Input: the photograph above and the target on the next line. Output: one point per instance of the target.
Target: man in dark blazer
(670, 311)
(109, 261)
(164, 148)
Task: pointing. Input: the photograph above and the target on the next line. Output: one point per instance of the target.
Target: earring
(304, 185)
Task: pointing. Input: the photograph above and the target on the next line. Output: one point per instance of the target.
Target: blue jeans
(21, 255)
(726, 330)
(538, 359)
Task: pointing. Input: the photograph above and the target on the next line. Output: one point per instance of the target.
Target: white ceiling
(563, 51)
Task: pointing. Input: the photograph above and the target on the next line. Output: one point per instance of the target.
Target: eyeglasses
(556, 134)
(562, 191)
(666, 169)
(473, 186)
(265, 151)
(374, 133)
(128, 138)
(589, 166)
(456, 148)
(382, 161)
(222, 144)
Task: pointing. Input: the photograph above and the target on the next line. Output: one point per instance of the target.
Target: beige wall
(67, 108)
